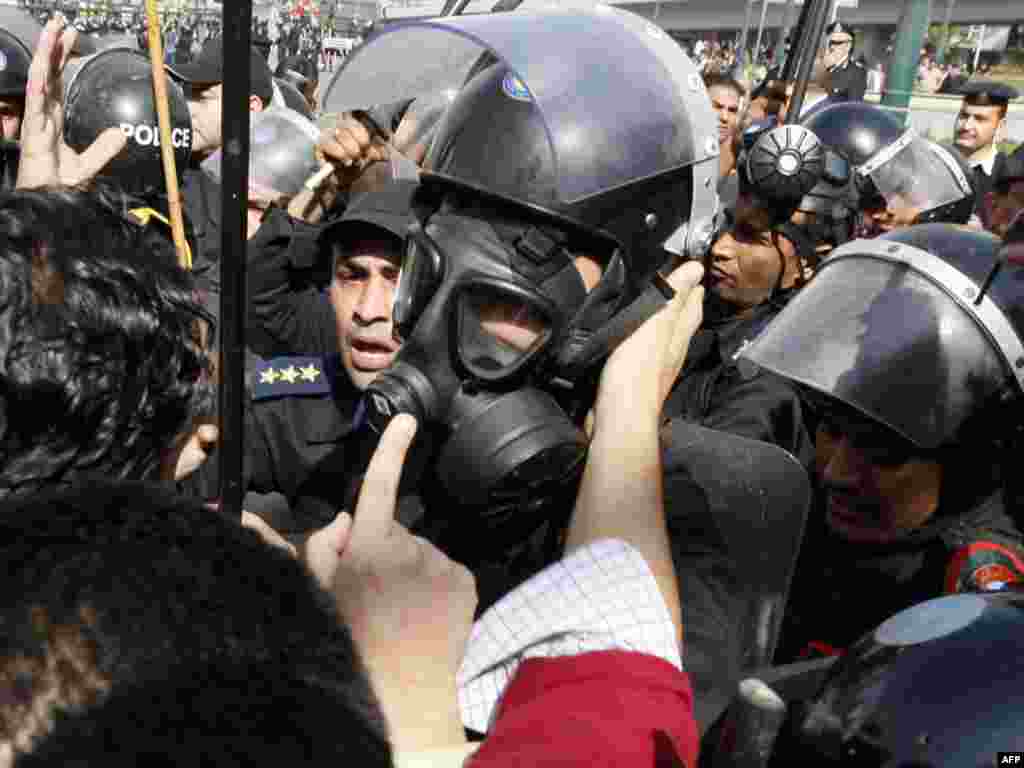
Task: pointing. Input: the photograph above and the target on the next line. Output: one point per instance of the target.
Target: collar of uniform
(985, 158)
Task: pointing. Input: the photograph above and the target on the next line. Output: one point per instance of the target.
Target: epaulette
(290, 376)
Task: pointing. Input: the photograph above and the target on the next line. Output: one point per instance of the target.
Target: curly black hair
(102, 365)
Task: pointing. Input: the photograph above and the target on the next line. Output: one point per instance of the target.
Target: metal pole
(787, 23)
(746, 32)
(237, 32)
(794, 47)
(945, 30)
(977, 51)
(760, 30)
(809, 44)
(899, 83)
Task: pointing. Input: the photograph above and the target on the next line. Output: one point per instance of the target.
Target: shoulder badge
(983, 566)
(290, 376)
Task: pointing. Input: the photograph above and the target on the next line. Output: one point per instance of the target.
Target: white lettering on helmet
(149, 136)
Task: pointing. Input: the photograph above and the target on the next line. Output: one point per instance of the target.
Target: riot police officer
(909, 349)
(797, 202)
(523, 266)
(902, 178)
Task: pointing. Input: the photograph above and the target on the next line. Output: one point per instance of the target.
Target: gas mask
(500, 335)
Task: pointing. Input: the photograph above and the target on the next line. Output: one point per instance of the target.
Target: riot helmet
(292, 97)
(895, 167)
(787, 169)
(936, 685)
(551, 149)
(919, 330)
(282, 155)
(114, 88)
(15, 59)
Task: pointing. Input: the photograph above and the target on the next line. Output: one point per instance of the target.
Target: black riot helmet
(935, 686)
(550, 149)
(15, 58)
(611, 146)
(894, 166)
(293, 98)
(787, 169)
(919, 330)
(114, 88)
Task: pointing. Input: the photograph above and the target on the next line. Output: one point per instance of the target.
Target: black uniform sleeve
(858, 83)
(762, 407)
(286, 306)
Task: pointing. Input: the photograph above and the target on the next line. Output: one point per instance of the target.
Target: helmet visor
(913, 172)
(593, 107)
(877, 331)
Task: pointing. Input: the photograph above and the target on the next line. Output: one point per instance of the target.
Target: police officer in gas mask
(797, 202)
(524, 266)
(909, 349)
(902, 178)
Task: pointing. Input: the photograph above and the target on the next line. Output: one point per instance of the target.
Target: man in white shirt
(980, 127)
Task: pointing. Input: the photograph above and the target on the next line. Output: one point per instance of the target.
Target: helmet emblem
(515, 88)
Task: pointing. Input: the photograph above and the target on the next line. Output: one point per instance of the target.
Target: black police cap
(984, 93)
(838, 28)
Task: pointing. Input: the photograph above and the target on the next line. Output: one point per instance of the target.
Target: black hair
(224, 714)
(712, 80)
(110, 587)
(101, 364)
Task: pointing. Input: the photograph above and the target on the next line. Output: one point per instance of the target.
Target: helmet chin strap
(804, 252)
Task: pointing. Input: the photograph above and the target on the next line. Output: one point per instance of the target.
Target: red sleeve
(983, 565)
(607, 708)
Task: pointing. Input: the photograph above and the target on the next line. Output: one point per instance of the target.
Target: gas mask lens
(498, 329)
(418, 279)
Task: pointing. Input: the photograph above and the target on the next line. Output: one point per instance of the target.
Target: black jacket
(717, 391)
(983, 185)
(848, 82)
(201, 197)
(842, 590)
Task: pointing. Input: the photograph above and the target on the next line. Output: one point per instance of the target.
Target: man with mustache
(916, 404)
(303, 437)
(980, 126)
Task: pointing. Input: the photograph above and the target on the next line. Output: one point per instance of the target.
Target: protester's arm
(408, 606)
(45, 159)
(621, 493)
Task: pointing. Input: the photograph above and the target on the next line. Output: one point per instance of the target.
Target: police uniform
(849, 80)
(307, 438)
(829, 608)
(989, 164)
(720, 392)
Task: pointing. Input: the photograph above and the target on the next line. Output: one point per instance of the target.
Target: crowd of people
(568, 424)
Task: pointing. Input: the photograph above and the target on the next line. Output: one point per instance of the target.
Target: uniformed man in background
(847, 79)
(980, 127)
